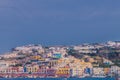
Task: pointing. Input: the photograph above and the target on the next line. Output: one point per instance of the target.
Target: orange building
(106, 70)
(63, 72)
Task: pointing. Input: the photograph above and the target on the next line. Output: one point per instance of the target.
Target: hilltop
(86, 59)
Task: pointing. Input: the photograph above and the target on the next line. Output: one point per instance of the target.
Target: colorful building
(98, 71)
(76, 72)
(57, 55)
(63, 72)
(32, 68)
(106, 71)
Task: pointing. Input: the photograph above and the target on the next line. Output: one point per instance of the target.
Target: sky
(58, 22)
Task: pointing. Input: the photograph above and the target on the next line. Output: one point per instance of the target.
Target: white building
(107, 61)
(84, 47)
(6, 63)
(113, 43)
(115, 69)
(98, 72)
(77, 71)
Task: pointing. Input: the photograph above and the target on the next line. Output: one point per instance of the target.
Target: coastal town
(84, 60)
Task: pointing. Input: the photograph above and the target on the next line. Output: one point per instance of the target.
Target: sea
(57, 79)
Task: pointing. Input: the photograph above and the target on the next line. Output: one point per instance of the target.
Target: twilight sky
(54, 22)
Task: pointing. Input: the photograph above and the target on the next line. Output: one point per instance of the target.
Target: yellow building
(86, 64)
(64, 60)
(63, 71)
(38, 58)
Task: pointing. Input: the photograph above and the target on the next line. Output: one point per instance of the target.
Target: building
(50, 72)
(63, 72)
(32, 68)
(98, 72)
(115, 69)
(106, 71)
(76, 72)
(56, 55)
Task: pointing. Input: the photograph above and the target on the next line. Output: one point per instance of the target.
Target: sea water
(58, 79)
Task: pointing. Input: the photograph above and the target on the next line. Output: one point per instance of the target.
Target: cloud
(61, 10)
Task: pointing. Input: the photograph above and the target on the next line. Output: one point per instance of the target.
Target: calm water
(58, 79)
